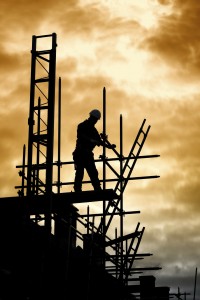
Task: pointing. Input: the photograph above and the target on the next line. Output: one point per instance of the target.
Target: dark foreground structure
(49, 248)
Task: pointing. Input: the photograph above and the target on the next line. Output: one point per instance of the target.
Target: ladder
(128, 166)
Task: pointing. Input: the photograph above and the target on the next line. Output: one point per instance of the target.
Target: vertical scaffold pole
(104, 172)
(121, 189)
(59, 132)
(195, 281)
(31, 115)
(50, 132)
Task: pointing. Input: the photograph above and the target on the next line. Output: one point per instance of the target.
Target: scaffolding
(116, 254)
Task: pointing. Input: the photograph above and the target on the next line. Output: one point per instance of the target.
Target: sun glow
(145, 12)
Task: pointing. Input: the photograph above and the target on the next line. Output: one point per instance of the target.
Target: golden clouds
(147, 57)
(176, 39)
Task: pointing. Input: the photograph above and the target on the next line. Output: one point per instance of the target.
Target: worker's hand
(103, 136)
(113, 146)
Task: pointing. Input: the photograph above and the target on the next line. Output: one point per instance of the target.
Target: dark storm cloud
(177, 39)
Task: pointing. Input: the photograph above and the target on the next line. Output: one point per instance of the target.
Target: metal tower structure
(115, 255)
(41, 117)
(41, 120)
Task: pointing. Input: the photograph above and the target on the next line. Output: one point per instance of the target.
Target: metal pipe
(23, 168)
(104, 172)
(195, 281)
(121, 189)
(59, 133)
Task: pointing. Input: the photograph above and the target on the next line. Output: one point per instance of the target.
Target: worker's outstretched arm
(103, 143)
(104, 139)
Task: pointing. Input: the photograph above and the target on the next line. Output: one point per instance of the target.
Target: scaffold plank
(39, 204)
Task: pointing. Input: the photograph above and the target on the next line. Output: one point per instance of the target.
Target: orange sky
(146, 53)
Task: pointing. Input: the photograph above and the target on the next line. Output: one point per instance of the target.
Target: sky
(147, 55)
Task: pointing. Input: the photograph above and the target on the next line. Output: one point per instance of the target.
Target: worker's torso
(85, 132)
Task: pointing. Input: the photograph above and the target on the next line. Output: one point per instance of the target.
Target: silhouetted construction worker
(83, 156)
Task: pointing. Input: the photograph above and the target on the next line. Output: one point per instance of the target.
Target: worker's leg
(93, 173)
(78, 177)
(79, 171)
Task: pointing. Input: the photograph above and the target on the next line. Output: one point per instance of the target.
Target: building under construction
(49, 249)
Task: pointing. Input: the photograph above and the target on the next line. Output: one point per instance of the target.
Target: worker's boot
(77, 189)
(97, 187)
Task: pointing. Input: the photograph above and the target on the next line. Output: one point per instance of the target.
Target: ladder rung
(45, 79)
(142, 131)
(43, 52)
(40, 107)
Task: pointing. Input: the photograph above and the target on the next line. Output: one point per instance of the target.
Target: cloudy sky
(147, 55)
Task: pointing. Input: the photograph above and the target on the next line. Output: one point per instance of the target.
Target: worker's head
(95, 113)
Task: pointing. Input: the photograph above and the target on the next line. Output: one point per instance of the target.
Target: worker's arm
(102, 143)
(94, 138)
(104, 139)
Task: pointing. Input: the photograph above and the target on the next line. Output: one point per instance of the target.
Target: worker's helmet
(95, 113)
